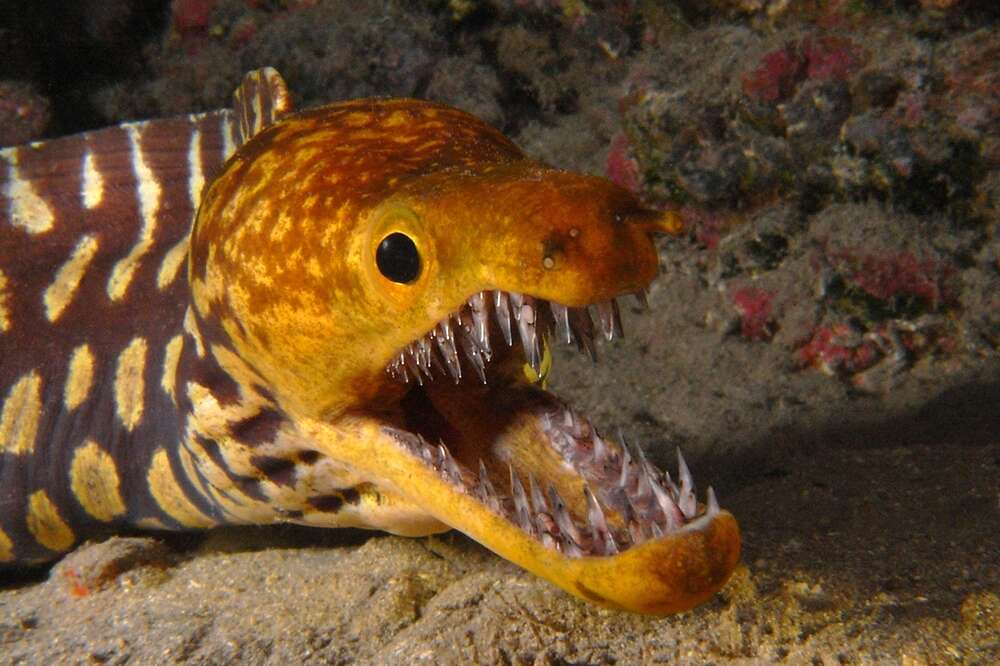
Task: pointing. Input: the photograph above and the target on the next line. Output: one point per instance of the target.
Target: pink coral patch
(755, 306)
(621, 167)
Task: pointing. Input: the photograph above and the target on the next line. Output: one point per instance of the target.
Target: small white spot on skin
(27, 210)
(60, 293)
(150, 194)
(130, 383)
(21, 412)
(80, 377)
(92, 183)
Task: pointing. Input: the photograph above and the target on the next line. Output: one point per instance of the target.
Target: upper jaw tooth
(468, 330)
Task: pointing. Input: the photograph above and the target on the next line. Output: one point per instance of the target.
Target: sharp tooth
(446, 345)
(560, 313)
(616, 319)
(529, 333)
(636, 531)
(626, 463)
(475, 358)
(449, 464)
(484, 478)
(502, 311)
(444, 330)
(657, 531)
(423, 355)
(600, 451)
(411, 365)
(604, 543)
(687, 502)
(712, 504)
(595, 515)
(481, 322)
(609, 318)
(565, 522)
(669, 484)
(688, 505)
(521, 507)
(683, 473)
(673, 518)
(397, 370)
(537, 499)
(583, 329)
(516, 301)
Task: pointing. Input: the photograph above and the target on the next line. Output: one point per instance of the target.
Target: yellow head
(387, 268)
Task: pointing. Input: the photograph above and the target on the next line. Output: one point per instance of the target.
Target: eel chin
(530, 478)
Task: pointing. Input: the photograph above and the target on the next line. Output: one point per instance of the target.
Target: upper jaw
(471, 333)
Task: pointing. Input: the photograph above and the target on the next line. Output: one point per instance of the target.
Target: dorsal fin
(261, 100)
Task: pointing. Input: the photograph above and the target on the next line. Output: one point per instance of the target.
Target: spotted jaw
(534, 480)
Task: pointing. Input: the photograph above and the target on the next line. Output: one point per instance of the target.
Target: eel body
(336, 317)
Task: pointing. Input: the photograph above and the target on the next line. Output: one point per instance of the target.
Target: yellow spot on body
(356, 119)
(314, 268)
(196, 177)
(168, 494)
(258, 115)
(27, 210)
(171, 356)
(79, 378)
(46, 525)
(64, 287)
(172, 262)
(150, 194)
(228, 144)
(92, 187)
(21, 411)
(191, 327)
(151, 524)
(6, 548)
(4, 311)
(130, 384)
(94, 480)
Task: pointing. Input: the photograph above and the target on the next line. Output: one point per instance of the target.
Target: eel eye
(397, 258)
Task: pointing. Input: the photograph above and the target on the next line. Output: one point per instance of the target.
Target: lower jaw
(502, 430)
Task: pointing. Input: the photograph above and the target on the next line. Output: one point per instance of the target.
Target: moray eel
(336, 317)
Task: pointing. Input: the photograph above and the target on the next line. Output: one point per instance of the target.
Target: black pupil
(397, 258)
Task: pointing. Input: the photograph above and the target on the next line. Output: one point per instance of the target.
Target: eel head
(394, 271)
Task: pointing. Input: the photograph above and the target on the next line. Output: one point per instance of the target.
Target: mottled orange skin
(301, 208)
(282, 259)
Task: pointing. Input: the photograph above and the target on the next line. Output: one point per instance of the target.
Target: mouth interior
(473, 416)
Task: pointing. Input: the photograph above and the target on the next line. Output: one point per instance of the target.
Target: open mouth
(480, 419)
